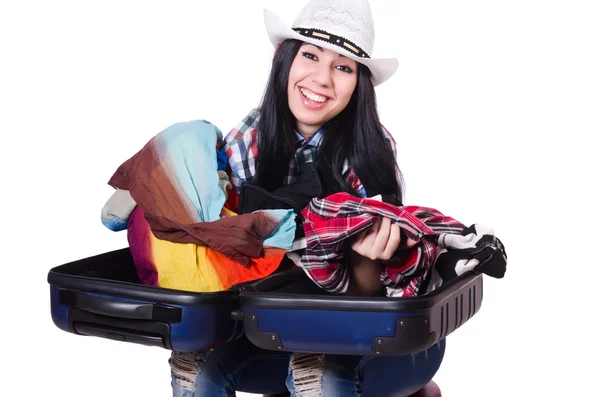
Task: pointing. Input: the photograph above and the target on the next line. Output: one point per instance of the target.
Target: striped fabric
(331, 221)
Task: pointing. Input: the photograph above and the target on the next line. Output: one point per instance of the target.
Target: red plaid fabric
(241, 147)
(336, 218)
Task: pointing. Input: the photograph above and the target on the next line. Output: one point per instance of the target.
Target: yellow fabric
(184, 266)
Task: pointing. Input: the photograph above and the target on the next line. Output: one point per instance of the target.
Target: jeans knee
(305, 375)
(317, 375)
(185, 368)
(190, 376)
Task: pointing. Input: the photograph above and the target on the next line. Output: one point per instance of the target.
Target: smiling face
(320, 85)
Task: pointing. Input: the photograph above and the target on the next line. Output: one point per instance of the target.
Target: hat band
(333, 39)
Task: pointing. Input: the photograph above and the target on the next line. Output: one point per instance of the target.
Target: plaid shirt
(329, 222)
(241, 147)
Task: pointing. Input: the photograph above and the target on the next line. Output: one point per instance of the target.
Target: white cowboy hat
(343, 26)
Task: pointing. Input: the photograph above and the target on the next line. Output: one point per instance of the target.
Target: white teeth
(312, 96)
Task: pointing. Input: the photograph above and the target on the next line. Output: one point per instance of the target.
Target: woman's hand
(381, 241)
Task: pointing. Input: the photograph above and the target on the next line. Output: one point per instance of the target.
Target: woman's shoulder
(245, 129)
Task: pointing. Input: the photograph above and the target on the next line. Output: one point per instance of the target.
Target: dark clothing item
(295, 196)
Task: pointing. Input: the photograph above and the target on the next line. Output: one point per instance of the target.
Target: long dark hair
(354, 135)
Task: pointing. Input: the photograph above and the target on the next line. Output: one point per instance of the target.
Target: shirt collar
(310, 141)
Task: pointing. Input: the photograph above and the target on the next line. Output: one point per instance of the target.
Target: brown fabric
(239, 237)
(150, 186)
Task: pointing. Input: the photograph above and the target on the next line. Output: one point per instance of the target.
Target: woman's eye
(344, 68)
(309, 55)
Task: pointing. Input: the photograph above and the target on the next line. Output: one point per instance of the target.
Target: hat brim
(382, 69)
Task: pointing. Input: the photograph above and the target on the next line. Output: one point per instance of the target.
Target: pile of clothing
(175, 201)
(189, 230)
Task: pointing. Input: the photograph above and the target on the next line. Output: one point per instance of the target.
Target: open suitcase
(102, 296)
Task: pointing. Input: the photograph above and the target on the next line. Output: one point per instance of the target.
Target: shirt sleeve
(241, 148)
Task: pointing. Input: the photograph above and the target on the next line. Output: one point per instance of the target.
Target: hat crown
(350, 19)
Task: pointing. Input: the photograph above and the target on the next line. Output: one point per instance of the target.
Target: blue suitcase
(101, 296)
(299, 316)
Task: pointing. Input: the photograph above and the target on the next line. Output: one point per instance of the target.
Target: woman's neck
(307, 131)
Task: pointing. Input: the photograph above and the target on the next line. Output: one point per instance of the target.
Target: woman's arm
(240, 145)
(365, 275)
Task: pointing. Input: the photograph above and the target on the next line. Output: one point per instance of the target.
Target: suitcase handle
(117, 308)
(150, 333)
(139, 311)
(123, 335)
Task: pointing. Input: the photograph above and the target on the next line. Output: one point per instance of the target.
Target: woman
(319, 107)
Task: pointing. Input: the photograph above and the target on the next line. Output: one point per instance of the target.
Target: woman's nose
(322, 76)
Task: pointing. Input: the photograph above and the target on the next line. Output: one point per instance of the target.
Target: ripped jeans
(241, 366)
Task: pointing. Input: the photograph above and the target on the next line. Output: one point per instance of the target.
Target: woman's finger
(363, 244)
(393, 242)
(358, 241)
(370, 238)
(381, 239)
(376, 226)
(409, 242)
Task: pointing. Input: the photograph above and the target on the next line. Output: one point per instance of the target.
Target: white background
(495, 107)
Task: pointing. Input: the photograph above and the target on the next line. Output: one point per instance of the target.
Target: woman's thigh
(236, 366)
